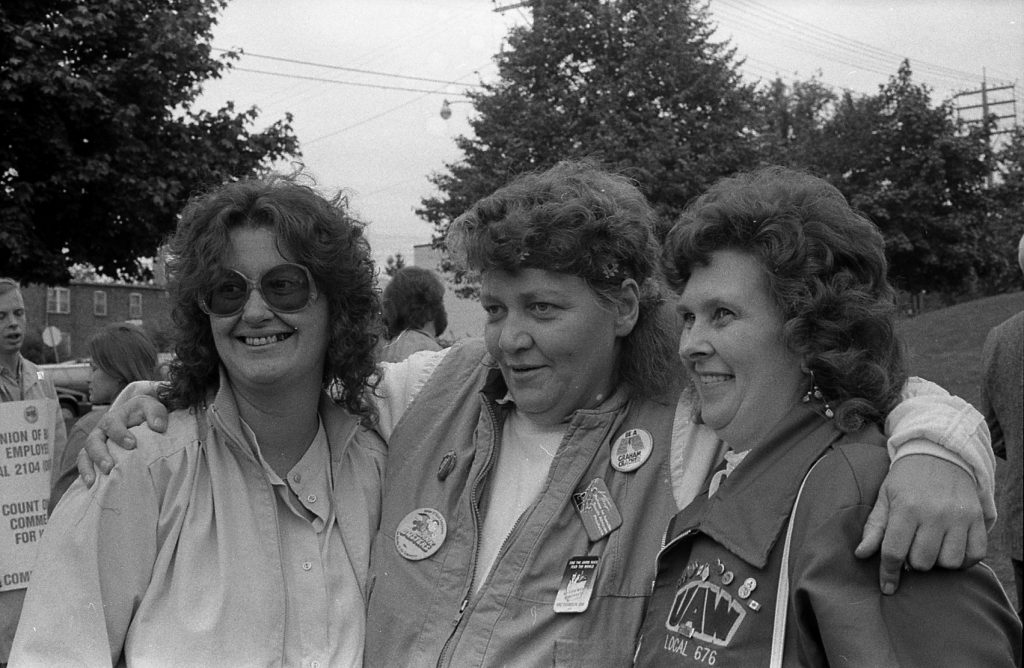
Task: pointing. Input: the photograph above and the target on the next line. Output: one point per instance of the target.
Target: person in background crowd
(21, 380)
(120, 353)
(790, 347)
(530, 475)
(240, 536)
(1002, 399)
(413, 313)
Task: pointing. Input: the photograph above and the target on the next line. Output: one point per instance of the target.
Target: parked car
(71, 379)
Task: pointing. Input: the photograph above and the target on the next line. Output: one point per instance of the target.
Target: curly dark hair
(825, 268)
(579, 219)
(323, 237)
(414, 297)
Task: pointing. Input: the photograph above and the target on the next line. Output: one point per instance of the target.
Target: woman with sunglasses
(241, 535)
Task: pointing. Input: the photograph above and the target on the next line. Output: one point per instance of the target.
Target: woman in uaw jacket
(529, 478)
(789, 339)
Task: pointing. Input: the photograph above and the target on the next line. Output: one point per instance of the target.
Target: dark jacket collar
(752, 505)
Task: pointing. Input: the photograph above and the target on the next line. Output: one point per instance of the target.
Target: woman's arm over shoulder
(400, 383)
(929, 420)
(94, 565)
(938, 618)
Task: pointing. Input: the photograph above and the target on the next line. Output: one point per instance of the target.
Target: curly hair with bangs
(579, 219)
(825, 269)
(319, 234)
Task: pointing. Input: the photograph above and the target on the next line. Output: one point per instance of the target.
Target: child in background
(121, 353)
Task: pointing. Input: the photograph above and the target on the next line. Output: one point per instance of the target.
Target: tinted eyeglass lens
(228, 295)
(285, 288)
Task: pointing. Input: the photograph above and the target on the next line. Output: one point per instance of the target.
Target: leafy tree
(1005, 224)
(793, 118)
(393, 264)
(101, 142)
(639, 84)
(1010, 168)
(916, 172)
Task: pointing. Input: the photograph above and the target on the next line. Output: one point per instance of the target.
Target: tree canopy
(640, 85)
(909, 166)
(645, 87)
(102, 144)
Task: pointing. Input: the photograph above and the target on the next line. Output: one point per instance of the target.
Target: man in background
(21, 381)
(1002, 402)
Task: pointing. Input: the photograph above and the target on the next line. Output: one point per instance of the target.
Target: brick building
(82, 308)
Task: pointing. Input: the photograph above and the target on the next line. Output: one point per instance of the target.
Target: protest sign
(26, 446)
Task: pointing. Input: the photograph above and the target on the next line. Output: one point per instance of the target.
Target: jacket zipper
(473, 499)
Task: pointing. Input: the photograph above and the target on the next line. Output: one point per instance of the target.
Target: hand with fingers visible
(927, 514)
(136, 405)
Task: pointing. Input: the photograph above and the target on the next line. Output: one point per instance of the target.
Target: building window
(135, 305)
(99, 302)
(58, 300)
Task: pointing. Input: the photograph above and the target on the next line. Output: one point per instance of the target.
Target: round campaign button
(631, 450)
(420, 534)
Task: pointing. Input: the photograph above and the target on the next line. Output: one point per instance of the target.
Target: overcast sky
(380, 144)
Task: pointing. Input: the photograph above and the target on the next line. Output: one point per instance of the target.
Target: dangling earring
(815, 393)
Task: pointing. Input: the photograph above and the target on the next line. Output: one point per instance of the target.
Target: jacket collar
(751, 507)
(339, 425)
(495, 390)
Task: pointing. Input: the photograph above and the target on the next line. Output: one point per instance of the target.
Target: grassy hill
(944, 346)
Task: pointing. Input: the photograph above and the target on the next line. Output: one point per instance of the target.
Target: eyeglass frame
(254, 284)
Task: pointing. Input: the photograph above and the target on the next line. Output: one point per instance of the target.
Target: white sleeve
(399, 385)
(929, 420)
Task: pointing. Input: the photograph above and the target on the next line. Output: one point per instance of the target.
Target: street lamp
(446, 107)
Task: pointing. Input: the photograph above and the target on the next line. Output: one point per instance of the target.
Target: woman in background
(413, 313)
(120, 353)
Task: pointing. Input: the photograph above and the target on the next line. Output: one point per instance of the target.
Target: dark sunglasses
(286, 288)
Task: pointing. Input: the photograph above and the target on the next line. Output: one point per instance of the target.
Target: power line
(364, 121)
(376, 116)
(808, 37)
(341, 68)
(349, 83)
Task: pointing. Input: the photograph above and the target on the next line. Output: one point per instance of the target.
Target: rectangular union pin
(577, 585)
(597, 510)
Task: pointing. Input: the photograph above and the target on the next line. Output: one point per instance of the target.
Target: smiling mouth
(713, 378)
(522, 368)
(258, 341)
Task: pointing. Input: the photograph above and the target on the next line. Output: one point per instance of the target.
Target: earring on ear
(815, 393)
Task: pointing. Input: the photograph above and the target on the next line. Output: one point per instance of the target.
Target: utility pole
(987, 107)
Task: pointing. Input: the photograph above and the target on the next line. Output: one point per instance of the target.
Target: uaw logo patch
(706, 612)
(31, 415)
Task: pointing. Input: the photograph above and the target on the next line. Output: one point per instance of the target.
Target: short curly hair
(413, 298)
(825, 269)
(324, 237)
(579, 219)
